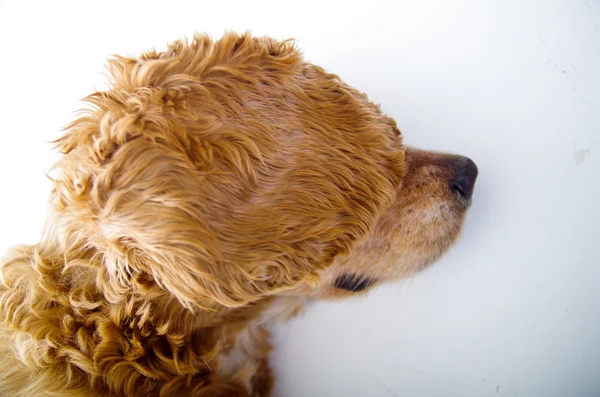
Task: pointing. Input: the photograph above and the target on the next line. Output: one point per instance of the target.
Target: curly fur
(210, 190)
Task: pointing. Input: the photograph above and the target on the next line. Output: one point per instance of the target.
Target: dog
(210, 191)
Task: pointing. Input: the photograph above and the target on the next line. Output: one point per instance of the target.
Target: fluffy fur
(209, 191)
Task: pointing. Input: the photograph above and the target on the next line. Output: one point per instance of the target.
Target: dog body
(210, 191)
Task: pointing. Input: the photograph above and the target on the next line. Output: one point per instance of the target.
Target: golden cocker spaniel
(212, 189)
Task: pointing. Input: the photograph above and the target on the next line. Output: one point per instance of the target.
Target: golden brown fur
(209, 191)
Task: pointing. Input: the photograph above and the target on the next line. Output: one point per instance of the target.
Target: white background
(513, 309)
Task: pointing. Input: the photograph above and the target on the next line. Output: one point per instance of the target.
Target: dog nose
(463, 181)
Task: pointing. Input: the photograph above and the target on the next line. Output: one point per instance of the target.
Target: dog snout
(464, 178)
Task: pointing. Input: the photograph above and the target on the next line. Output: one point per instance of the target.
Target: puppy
(211, 190)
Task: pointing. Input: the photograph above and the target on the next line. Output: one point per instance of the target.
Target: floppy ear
(154, 218)
(144, 211)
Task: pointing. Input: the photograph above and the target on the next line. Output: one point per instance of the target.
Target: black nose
(464, 179)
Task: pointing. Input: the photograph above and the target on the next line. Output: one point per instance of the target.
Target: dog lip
(464, 203)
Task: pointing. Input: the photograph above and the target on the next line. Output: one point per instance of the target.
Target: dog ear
(147, 213)
(154, 219)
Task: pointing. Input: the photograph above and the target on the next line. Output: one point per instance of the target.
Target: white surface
(513, 309)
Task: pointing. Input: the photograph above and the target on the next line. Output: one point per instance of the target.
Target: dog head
(219, 173)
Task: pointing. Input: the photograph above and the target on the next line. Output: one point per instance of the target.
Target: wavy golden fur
(209, 191)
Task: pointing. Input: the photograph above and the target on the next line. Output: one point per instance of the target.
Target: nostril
(464, 179)
(454, 185)
(460, 185)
